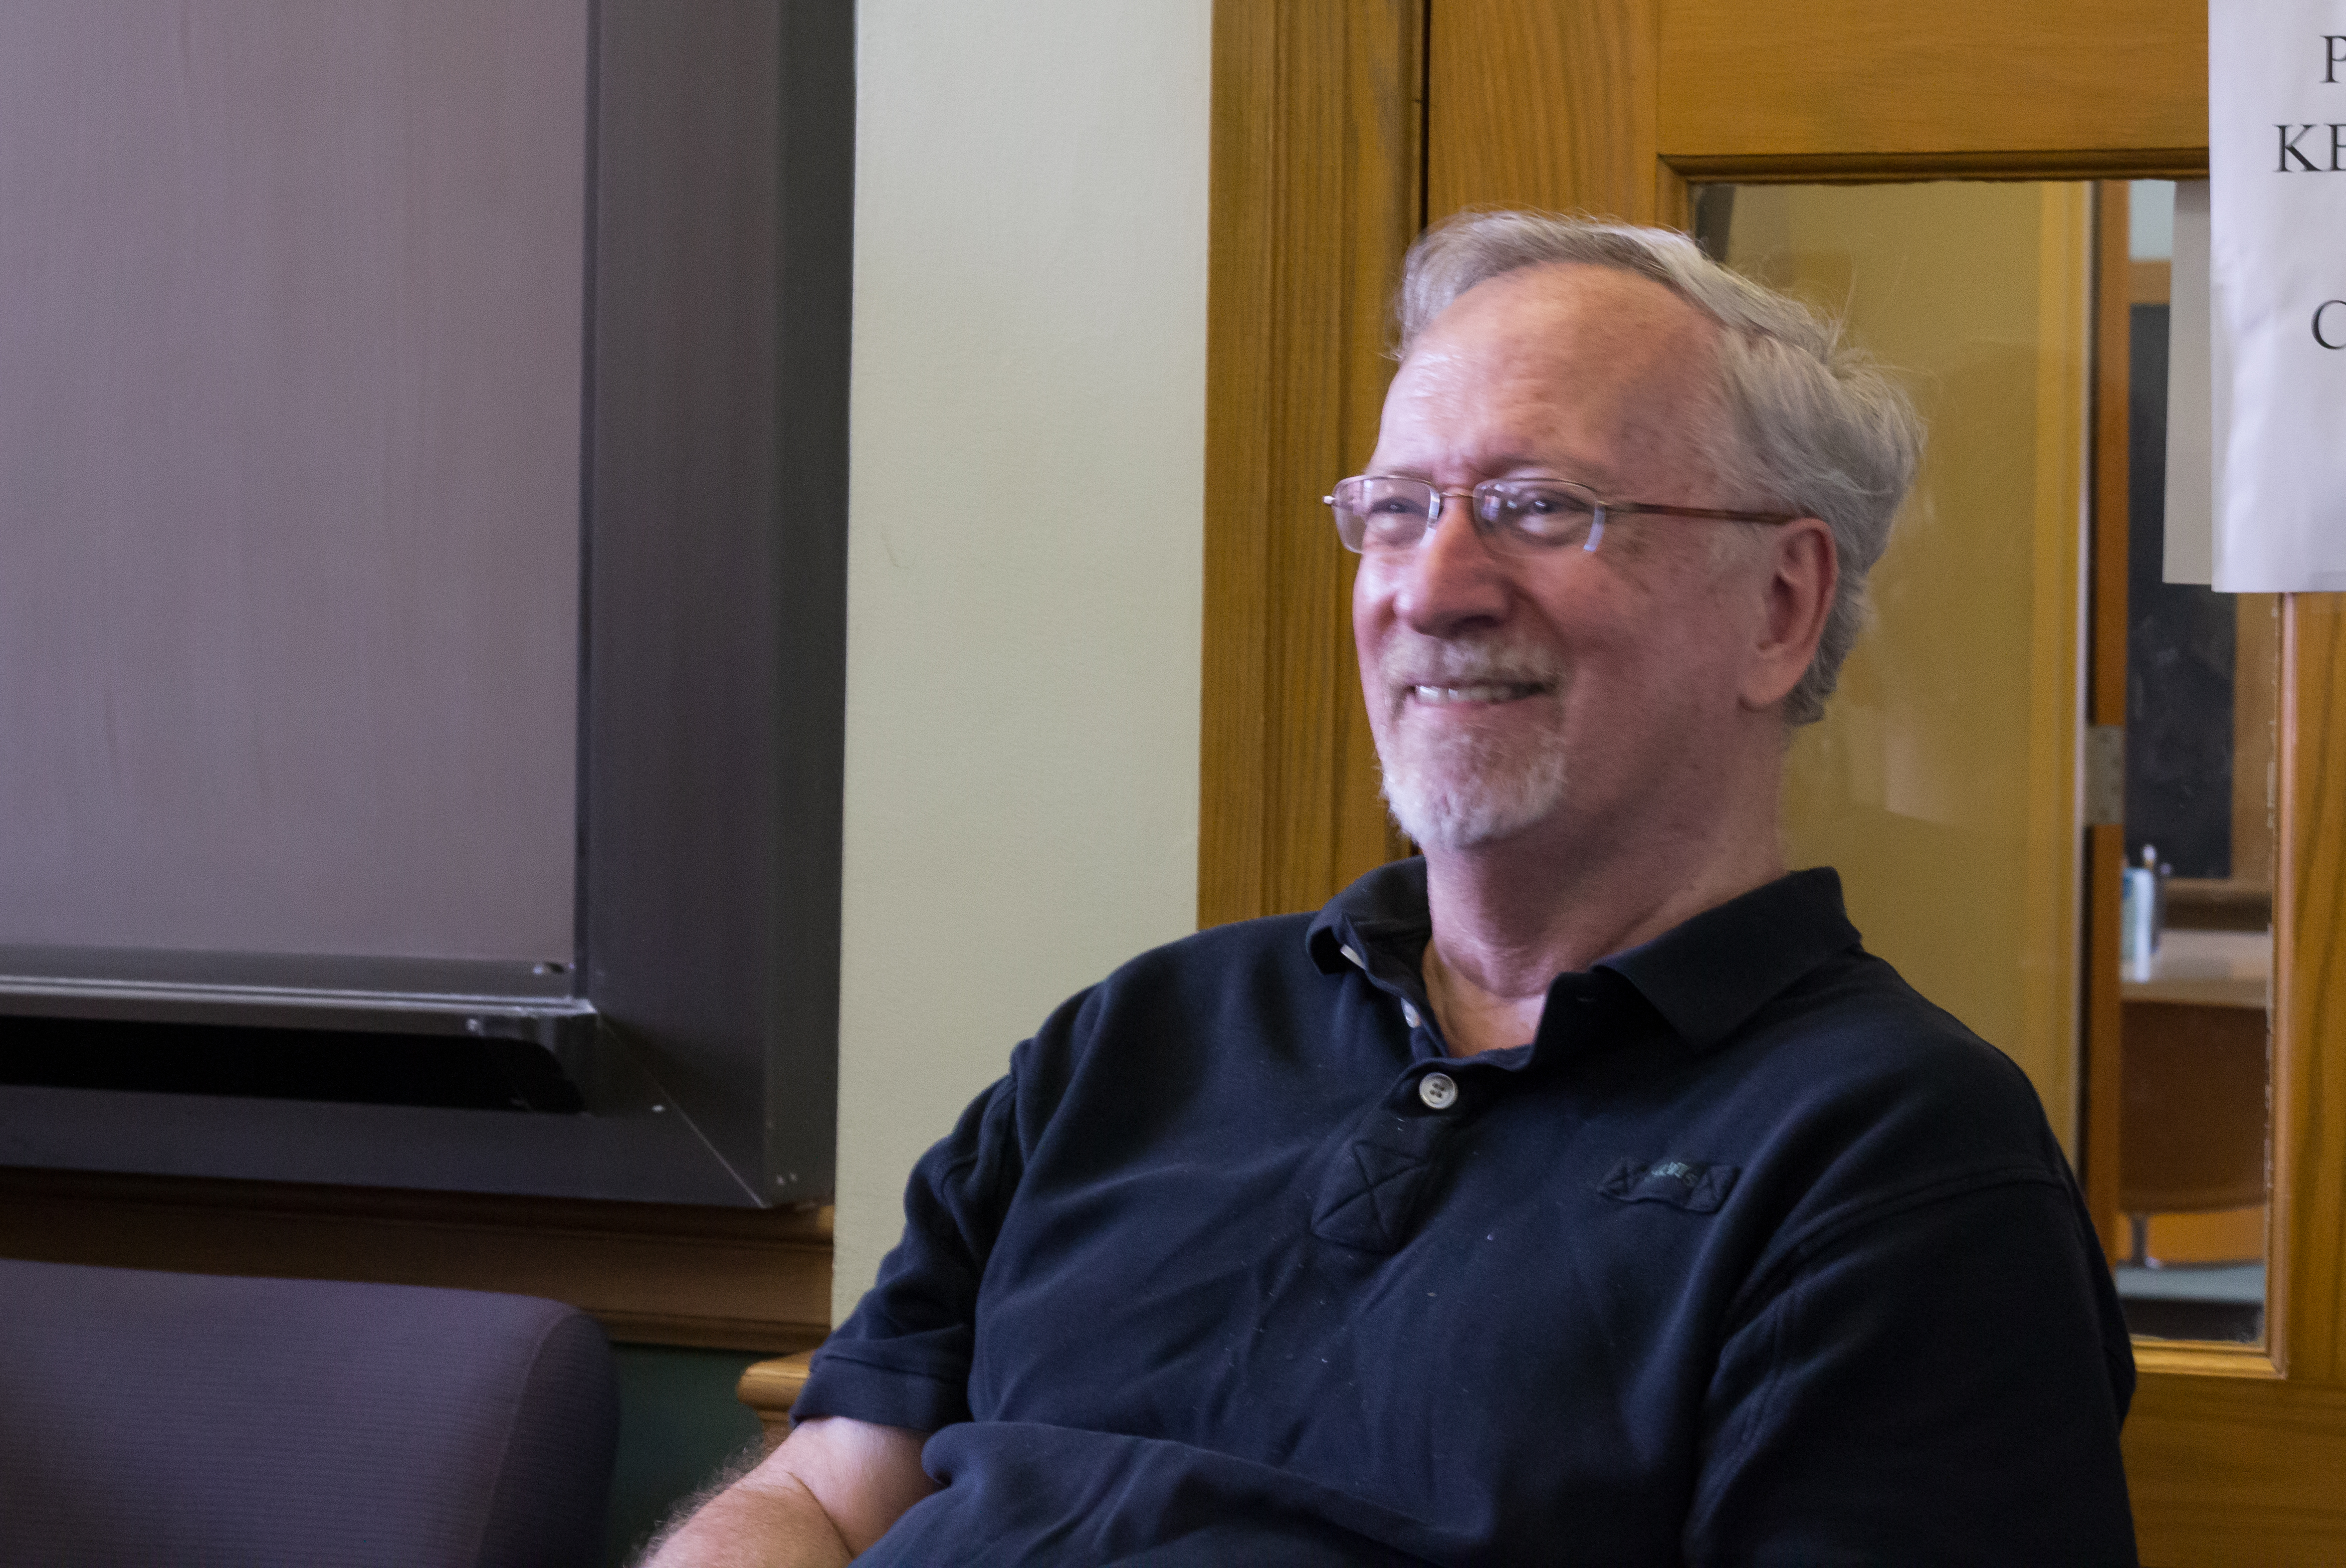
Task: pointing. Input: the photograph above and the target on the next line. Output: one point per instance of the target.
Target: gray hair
(1816, 427)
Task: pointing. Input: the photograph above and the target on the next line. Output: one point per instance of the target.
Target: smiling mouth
(1481, 691)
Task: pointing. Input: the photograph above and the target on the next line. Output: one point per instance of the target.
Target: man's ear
(1803, 568)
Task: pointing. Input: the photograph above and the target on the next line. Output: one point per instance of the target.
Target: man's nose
(1453, 578)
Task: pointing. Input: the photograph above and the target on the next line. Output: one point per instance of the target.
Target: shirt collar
(1706, 976)
(1381, 913)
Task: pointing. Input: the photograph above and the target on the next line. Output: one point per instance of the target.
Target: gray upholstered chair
(180, 1419)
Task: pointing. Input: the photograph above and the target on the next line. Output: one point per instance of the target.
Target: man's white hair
(1813, 426)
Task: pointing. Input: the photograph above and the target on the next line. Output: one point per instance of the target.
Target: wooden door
(1340, 129)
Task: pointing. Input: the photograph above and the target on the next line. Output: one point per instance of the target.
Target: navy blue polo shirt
(1751, 1256)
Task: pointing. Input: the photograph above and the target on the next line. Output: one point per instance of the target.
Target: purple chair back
(183, 1419)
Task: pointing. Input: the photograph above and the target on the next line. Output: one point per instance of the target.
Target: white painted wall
(1025, 572)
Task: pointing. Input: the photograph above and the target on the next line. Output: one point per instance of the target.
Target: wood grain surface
(2195, 1107)
(2099, 1122)
(1315, 196)
(770, 1388)
(2235, 1470)
(2244, 1468)
(2309, 1037)
(745, 1280)
(2015, 88)
(1549, 106)
(2256, 680)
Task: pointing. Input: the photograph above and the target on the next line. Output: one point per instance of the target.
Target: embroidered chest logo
(1694, 1186)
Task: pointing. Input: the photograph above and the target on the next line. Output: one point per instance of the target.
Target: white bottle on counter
(2138, 918)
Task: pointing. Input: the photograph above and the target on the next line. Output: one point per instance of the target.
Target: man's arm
(838, 1483)
(830, 1491)
(1942, 1384)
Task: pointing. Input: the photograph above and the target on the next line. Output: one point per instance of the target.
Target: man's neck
(1509, 918)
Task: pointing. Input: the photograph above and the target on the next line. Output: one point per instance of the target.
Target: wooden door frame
(1324, 127)
(2098, 1037)
(1315, 194)
(1320, 178)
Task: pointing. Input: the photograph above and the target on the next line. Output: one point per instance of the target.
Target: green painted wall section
(679, 1427)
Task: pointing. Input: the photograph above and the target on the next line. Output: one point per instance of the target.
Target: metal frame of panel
(699, 1018)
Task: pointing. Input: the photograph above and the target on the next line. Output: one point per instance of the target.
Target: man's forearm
(830, 1491)
(755, 1524)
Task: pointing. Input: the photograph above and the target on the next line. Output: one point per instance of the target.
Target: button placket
(1382, 1167)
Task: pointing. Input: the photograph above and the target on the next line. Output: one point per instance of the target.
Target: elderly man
(1580, 1192)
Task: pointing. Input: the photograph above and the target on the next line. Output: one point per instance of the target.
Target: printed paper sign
(2276, 277)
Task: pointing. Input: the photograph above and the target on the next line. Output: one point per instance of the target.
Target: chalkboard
(2179, 648)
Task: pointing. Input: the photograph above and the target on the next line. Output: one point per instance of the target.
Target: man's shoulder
(1786, 1018)
(1218, 959)
(1255, 974)
(1856, 1024)
(1868, 1098)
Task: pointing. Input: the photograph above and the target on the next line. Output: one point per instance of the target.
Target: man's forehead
(1618, 361)
(1573, 298)
(1584, 315)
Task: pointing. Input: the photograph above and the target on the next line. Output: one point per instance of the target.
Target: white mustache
(1434, 663)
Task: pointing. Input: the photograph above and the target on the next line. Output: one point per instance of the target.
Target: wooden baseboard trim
(770, 1389)
(743, 1279)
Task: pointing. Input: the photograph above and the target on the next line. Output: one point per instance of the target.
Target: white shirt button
(1347, 953)
(1411, 1013)
(1438, 1090)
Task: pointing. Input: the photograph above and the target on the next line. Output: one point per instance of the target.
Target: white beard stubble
(1455, 787)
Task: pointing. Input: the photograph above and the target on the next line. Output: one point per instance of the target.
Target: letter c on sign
(2325, 306)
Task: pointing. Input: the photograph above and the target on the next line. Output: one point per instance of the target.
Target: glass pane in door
(1942, 780)
(1946, 781)
(2195, 950)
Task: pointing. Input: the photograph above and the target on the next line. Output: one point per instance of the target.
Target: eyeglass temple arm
(1634, 508)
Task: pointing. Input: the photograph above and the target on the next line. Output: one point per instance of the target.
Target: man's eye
(1395, 506)
(1550, 504)
(1547, 514)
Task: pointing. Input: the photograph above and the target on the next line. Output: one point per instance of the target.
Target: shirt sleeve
(1939, 1384)
(903, 1357)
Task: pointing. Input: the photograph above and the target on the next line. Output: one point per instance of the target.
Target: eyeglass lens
(1377, 515)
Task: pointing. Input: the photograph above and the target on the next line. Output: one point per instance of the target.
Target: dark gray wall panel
(290, 382)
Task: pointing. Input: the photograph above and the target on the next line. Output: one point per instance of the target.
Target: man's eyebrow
(1589, 472)
(1506, 464)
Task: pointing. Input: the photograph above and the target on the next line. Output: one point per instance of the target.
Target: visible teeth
(1494, 692)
